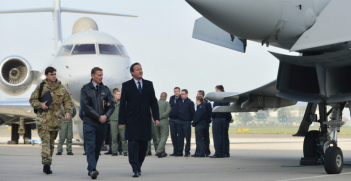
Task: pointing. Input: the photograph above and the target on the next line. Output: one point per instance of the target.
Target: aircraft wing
(251, 101)
(11, 110)
(331, 27)
(206, 31)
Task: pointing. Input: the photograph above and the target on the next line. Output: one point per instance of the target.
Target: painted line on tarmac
(303, 178)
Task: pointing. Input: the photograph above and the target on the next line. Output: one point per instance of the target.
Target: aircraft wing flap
(10, 110)
(206, 31)
(332, 27)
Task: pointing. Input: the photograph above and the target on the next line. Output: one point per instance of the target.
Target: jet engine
(16, 75)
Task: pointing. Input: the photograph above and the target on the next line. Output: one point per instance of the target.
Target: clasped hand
(102, 118)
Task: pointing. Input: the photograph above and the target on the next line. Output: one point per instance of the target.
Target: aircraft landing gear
(321, 146)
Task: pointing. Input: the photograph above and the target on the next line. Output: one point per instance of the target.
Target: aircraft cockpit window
(106, 49)
(123, 50)
(65, 50)
(84, 49)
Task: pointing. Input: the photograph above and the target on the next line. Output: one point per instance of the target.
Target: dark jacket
(174, 107)
(134, 110)
(208, 106)
(186, 110)
(92, 103)
(81, 113)
(225, 115)
(201, 115)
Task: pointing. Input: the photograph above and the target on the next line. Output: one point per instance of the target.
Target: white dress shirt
(141, 83)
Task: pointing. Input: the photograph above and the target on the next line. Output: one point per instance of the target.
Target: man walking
(49, 117)
(66, 133)
(185, 114)
(138, 96)
(114, 127)
(163, 127)
(173, 119)
(98, 105)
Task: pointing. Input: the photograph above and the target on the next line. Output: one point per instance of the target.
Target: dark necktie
(139, 87)
(97, 90)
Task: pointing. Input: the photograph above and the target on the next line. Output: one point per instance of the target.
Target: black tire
(310, 145)
(333, 160)
(14, 133)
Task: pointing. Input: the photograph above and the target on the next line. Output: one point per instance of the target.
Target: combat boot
(46, 168)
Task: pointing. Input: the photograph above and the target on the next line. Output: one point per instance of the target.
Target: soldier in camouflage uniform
(49, 120)
(66, 133)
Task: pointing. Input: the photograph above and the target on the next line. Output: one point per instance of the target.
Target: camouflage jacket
(51, 118)
(63, 113)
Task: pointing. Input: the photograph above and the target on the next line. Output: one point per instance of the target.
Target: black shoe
(94, 174)
(179, 155)
(46, 168)
(70, 153)
(173, 154)
(125, 154)
(89, 174)
(215, 156)
(193, 155)
(59, 153)
(226, 155)
(149, 154)
(84, 153)
(135, 174)
(120, 153)
(207, 155)
(108, 153)
(187, 155)
(156, 154)
(139, 173)
(114, 154)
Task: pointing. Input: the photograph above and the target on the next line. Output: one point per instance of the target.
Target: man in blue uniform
(173, 119)
(218, 127)
(185, 114)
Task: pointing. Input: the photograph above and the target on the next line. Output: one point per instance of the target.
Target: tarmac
(253, 157)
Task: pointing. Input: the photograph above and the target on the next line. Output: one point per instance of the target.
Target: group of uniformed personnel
(176, 116)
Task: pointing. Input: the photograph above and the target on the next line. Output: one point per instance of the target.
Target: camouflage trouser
(47, 144)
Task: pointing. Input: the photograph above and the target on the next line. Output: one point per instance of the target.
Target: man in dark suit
(138, 96)
(93, 96)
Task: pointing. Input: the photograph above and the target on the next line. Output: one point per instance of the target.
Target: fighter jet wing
(251, 101)
(206, 31)
(331, 27)
(11, 110)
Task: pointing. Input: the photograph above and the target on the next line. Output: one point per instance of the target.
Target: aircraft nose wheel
(333, 160)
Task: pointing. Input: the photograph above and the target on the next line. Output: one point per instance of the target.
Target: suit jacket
(134, 110)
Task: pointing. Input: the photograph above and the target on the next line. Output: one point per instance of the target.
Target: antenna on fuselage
(57, 10)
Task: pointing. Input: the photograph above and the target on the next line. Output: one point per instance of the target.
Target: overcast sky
(160, 39)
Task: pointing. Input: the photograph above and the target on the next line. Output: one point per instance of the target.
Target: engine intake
(16, 75)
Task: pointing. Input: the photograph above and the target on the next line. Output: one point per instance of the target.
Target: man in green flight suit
(114, 127)
(49, 117)
(163, 127)
(66, 133)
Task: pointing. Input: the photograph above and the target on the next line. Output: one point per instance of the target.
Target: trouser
(136, 153)
(207, 139)
(66, 132)
(200, 142)
(120, 143)
(108, 139)
(162, 131)
(173, 125)
(226, 138)
(115, 133)
(94, 135)
(47, 144)
(155, 138)
(218, 136)
(184, 131)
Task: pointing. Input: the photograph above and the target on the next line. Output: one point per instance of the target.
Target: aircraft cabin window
(65, 50)
(106, 49)
(84, 49)
(123, 50)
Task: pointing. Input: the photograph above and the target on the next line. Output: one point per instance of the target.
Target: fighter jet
(73, 59)
(317, 29)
